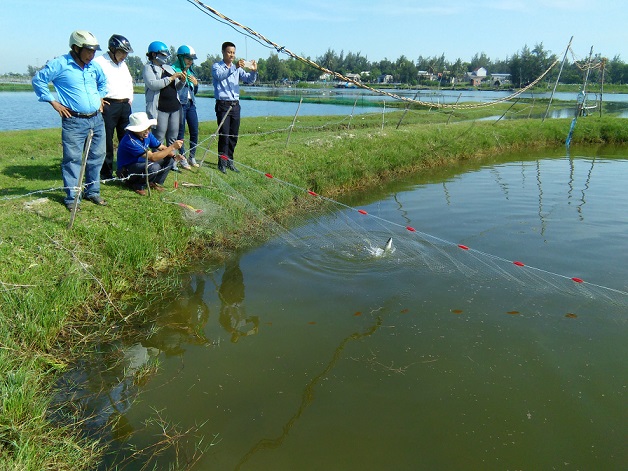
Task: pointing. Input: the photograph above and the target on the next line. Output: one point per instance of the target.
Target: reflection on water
(183, 322)
(357, 363)
(233, 316)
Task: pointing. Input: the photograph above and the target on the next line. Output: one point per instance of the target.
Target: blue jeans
(74, 132)
(188, 113)
(136, 173)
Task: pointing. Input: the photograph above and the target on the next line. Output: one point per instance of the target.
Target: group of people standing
(95, 96)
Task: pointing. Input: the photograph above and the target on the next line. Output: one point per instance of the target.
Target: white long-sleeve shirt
(119, 80)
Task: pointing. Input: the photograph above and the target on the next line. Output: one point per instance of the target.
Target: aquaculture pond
(491, 335)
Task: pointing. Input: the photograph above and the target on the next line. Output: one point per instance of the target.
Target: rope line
(282, 49)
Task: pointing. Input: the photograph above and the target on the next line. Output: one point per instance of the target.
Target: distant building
(477, 76)
(500, 79)
(355, 77)
(385, 78)
(425, 75)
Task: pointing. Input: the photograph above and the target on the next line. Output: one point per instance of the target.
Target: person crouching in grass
(138, 145)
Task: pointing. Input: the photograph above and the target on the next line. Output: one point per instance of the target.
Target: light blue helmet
(186, 52)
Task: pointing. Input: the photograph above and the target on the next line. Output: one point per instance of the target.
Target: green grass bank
(64, 290)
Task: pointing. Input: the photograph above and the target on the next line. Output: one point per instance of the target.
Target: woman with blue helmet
(187, 97)
(162, 97)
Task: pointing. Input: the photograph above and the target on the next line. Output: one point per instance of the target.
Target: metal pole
(294, 120)
(79, 187)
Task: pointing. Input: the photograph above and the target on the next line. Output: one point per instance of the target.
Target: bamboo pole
(407, 107)
(557, 79)
(294, 120)
(352, 111)
(79, 187)
(216, 133)
(453, 108)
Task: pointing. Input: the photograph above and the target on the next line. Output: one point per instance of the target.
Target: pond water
(317, 356)
(21, 110)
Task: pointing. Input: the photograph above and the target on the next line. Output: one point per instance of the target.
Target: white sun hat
(139, 122)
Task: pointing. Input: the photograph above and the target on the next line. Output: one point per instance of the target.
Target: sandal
(96, 199)
(155, 186)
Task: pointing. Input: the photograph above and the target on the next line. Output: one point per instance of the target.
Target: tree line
(524, 67)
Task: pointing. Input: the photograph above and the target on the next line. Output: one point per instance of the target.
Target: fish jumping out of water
(389, 246)
(380, 252)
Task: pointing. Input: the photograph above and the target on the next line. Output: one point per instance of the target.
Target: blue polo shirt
(132, 149)
(79, 89)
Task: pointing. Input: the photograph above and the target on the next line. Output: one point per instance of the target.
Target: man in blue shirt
(226, 78)
(80, 85)
(142, 157)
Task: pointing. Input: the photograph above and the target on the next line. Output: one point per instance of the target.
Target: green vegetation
(523, 66)
(62, 290)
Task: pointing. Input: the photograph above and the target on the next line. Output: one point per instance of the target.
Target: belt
(117, 100)
(229, 102)
(83, 115)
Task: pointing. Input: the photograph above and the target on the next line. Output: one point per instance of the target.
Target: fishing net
(326, 232)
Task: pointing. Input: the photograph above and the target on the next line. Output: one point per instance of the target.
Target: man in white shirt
(117, 103)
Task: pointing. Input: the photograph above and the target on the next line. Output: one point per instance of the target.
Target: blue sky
(37, 30)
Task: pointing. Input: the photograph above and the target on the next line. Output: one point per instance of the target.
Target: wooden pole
(79, 187)
(581, 101)
(557, 79)
(294, 120)
(453, 108)
(407, 107)
(383, 114)
(602, 86)
(515, 102)
(352, 110)
(217, 132)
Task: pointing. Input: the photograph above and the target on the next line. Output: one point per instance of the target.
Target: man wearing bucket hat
(142, 158)
(80, 84)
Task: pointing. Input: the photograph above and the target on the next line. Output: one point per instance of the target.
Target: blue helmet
(186, 51)
(157, 47)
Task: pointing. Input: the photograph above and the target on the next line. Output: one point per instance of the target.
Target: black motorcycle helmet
(117, 42)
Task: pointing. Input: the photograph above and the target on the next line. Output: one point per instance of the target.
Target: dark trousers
(116, 118)
(188, 114)
(228, 136)
(136, 173)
